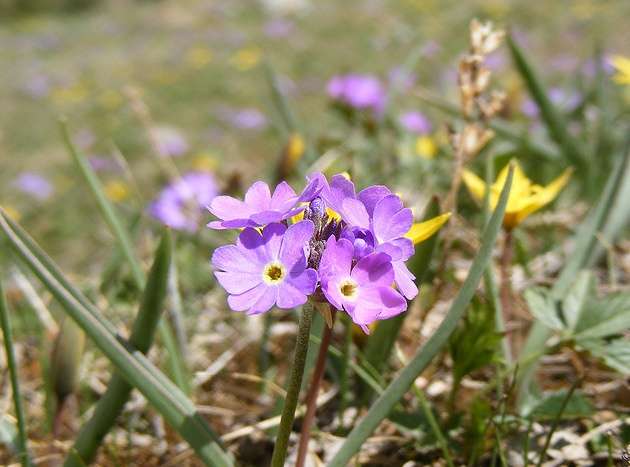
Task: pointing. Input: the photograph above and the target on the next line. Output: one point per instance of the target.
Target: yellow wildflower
(199, 57)
(205, 162)
(110, 99)
(420, 231)
(246, 58)
(116, 190)
(622, 65)
(426, 147)
(12, 213)
(525, 197)
(70, 94)
(295, 149)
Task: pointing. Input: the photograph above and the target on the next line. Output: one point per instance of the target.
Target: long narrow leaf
(113, 401)
(106, 208)
(584, 242)
(124, 241)
(132, 365)
(5, 323)
(555, 122)
(49, 264)
(397, 389)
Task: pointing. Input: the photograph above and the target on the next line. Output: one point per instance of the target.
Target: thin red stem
(311, 397)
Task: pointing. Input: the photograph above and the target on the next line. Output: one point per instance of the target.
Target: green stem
(15, 384)
(437, 432)
(505, 291)
(556, 421)
(293, 389)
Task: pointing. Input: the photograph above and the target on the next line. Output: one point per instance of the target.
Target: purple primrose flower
(266, 269)
(182, 203)
(354, 260)
(364, 291)
(260, 207)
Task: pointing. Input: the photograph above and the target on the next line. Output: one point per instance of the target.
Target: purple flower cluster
(181, 204)
(292, 248)
(35, 185)
(357, 91)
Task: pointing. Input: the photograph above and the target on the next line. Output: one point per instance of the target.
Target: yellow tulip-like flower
(525, 197)
(420, 231)
(622, 65)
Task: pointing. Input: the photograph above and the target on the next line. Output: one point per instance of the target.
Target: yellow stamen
(274, 273)
(349, 289)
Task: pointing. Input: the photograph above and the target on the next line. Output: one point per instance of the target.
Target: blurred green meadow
(239, 90)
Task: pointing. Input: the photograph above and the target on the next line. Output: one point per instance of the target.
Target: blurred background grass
(198, 67)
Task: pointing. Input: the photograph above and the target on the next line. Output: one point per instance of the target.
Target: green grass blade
(289, 122)
(52, 268)
(131, 364)
(618, 215)
(123, 238)
(397, 389)
(381, 343)
(15, 383)
(584, 242)
(113, 401)
(553, 119)
(107, 210)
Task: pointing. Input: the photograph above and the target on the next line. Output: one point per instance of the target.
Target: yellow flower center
(349, 289)
(274, 273)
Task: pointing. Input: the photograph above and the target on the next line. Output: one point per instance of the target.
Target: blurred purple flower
(246, 119)
(103, 164)
(84, 138)
(495, 61)
(564, 63)
(266, 268)
(567, 102)
(37, 86)
(431, 48)
(170, 142)
(401, 78)
(34, 185)
(278, 28)
(590, 67)
(416, 122)
(362, 92)
(182, 204)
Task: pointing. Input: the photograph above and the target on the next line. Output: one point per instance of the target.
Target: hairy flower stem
(505, 293)
(293, 389)
(313, 390)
